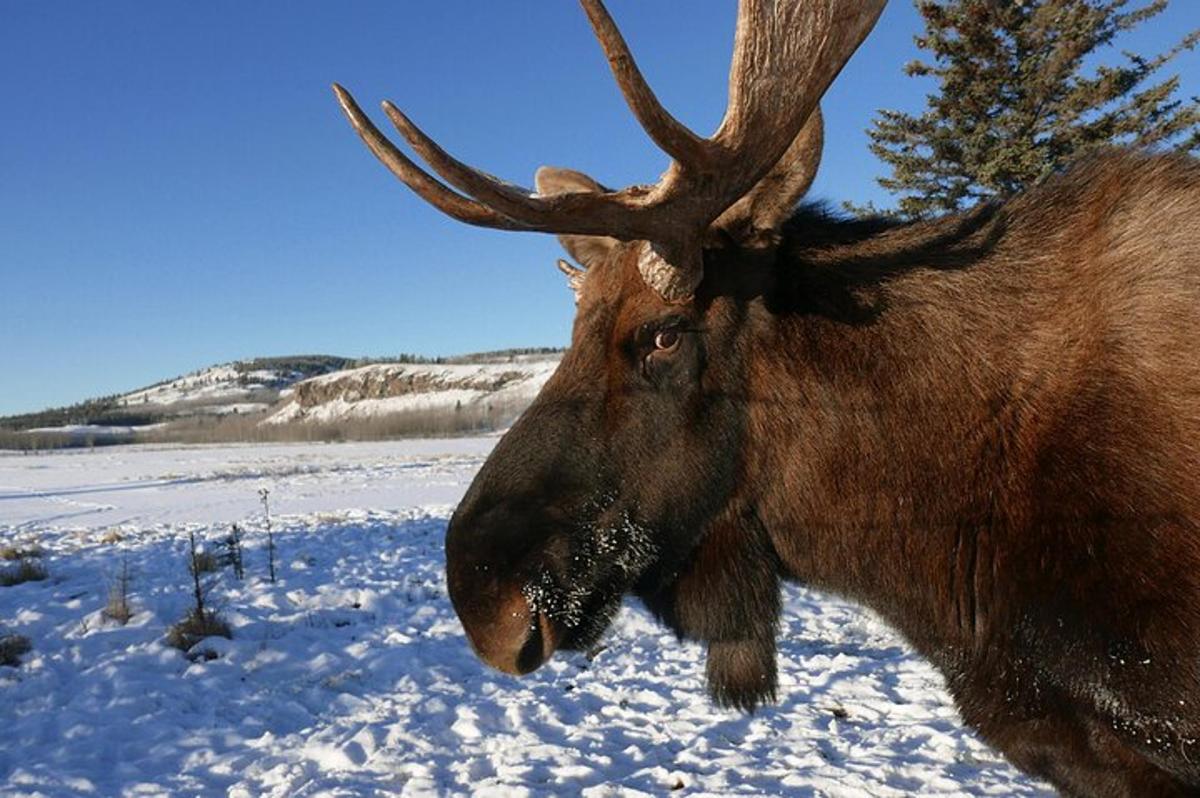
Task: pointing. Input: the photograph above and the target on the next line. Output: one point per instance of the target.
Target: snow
(214, 383)
(92, 429)
(351, 676)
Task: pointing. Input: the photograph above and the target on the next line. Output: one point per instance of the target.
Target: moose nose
(514, 639)
(490, 557)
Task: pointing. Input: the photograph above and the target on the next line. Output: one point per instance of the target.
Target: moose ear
(586, 250)
(771, 202)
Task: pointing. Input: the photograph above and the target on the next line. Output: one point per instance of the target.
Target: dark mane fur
(1016, 410)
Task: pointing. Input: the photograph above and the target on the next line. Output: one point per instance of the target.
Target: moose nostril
(532, 653)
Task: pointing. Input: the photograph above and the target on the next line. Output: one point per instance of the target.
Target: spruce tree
(1016, 99)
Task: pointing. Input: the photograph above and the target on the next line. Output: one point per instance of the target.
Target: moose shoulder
(985, 427)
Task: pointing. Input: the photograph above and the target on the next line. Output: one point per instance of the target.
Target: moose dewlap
(986, 427)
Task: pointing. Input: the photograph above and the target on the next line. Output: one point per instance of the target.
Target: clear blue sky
(179, 188)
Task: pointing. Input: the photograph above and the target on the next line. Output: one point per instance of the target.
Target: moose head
(630, 454)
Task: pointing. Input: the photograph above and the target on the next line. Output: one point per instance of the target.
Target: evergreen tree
(1015, 101)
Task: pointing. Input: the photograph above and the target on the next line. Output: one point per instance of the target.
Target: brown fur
(986, 428)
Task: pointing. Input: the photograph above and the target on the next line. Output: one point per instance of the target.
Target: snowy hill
(219, 389)
(246, 386)
(314, 397)
(243, 387)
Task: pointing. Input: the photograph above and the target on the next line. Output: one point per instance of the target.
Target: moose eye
(666, 340)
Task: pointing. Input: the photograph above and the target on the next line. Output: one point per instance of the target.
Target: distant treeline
(471, 359)
(112, 411)
(106, 411)
(428, 422)
(306, 365)
(471, 419)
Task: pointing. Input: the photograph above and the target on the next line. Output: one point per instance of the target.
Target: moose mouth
(520, 632)
(568, 618)
(562, 594)
(528, 629)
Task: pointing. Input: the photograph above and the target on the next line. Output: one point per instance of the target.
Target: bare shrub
(12, 648)
(199, 562)
(232, 555)
(11, 553)
(264, 494)
(26, 570)
(205, 562)
(196, 626)
(118, 608)
(201, 621)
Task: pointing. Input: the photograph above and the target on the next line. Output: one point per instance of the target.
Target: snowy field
(350, 676)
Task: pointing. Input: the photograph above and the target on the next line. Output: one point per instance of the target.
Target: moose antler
(786, 53)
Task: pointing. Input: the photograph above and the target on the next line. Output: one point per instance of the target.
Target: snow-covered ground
(350, 675)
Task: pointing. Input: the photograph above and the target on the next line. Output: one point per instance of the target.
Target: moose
(986, 427)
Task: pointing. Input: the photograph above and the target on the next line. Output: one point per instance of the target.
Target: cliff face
(388, 388)
(385, 382)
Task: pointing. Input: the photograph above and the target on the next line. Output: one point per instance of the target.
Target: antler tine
(504, 197)
(609, 213)
(494, 203)
(773, 197)
(574, 274)
(621, 214)
(413, 176)
(786, 54)
(671, 136)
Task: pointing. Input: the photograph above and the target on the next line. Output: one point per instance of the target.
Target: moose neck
(895, 395)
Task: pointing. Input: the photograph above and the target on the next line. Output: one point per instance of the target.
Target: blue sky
(179, 188)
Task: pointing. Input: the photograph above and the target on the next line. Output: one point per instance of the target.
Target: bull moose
(986, 427)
